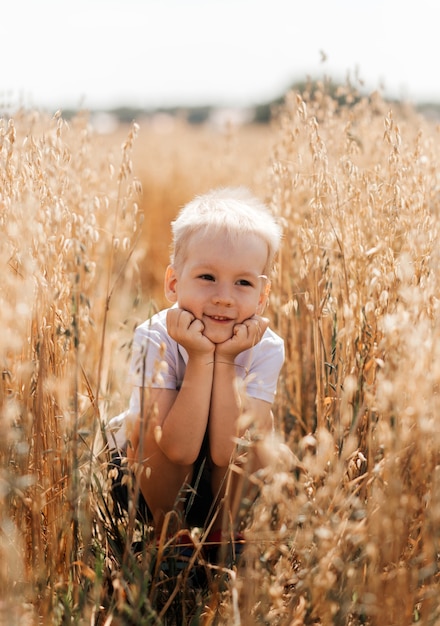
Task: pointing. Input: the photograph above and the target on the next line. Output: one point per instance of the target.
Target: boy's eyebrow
(207, 265)
(246, 272)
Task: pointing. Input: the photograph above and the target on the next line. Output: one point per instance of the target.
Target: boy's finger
(185, 318)
(240, 329)
(253, 323)
(197, 325)
(257, 327)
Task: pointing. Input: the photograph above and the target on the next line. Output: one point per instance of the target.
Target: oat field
(345, 529)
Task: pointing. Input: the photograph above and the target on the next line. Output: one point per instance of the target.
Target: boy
(184, 420)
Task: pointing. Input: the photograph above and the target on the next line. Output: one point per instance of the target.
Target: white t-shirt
(160, 362)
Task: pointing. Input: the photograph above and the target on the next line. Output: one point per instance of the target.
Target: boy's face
(220, 282)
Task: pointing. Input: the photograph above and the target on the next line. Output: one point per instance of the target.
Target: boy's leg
(120, 489)
(224, 542)
(231, 486)
(228, 487)
(161, 482)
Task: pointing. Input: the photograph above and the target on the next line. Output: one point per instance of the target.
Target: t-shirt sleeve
(152, 362)
(262, 377)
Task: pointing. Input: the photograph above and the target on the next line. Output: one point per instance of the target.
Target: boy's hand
(246, 335)
(187, 330)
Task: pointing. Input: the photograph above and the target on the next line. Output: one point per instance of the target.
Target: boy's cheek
(191, 312)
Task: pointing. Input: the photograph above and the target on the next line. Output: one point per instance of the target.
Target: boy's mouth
(219, 318)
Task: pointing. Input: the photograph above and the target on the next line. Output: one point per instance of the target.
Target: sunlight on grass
(345, 525)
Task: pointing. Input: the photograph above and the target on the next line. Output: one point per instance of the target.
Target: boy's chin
(217, 337)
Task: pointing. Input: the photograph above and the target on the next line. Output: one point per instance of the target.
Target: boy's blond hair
(231, 210)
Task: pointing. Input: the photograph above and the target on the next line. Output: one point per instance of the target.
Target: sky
(101, 54)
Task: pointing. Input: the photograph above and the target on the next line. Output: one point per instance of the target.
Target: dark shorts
(198, 497)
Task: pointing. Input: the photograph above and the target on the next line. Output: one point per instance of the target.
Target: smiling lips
(219, 318)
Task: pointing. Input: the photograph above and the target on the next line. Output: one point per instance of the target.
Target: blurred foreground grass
(346, 526)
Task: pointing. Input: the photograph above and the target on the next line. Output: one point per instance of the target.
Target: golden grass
(346, 528)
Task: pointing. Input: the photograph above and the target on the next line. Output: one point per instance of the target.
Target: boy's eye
(244, 283)
(207, 277)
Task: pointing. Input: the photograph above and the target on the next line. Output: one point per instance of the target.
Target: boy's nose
(223, 296)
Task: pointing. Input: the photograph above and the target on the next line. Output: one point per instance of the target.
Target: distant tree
(344, 95)
(198, 114)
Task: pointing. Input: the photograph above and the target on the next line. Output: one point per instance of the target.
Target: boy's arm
(182, 416)
(178, 418)
(226, 406)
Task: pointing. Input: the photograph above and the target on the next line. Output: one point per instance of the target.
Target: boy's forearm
(224, 413)
(183, 428)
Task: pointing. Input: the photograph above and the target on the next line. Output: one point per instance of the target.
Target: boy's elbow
(179, 456)
(220, 458)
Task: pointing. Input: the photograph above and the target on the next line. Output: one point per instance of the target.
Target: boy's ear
(264, 296)
(170, 284)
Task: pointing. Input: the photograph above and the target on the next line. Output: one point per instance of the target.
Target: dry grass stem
(345, 526)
